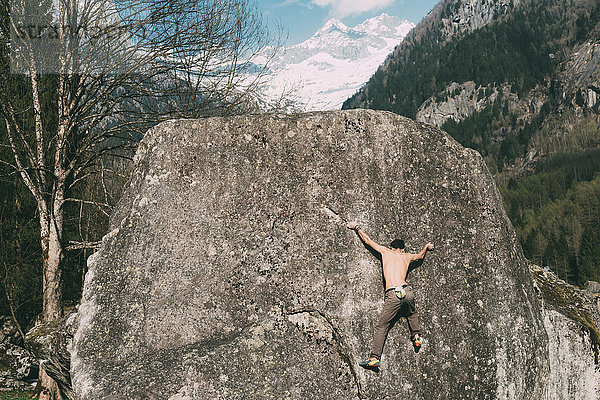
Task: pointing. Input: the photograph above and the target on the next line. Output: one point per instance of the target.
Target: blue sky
(302, 18)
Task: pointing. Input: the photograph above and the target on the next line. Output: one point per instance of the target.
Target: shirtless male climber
(399, 299)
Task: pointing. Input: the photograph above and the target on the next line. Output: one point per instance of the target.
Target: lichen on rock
(570, 301)
(571, 318)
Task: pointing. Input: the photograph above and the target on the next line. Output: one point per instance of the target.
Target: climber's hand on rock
(352, 225)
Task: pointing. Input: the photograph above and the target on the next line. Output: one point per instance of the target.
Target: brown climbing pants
(393, 309)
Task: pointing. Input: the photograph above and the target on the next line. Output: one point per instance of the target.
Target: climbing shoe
(372, 363)
(416, 341)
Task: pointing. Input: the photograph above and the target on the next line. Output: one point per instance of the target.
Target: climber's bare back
(395, 260)
(395, 267)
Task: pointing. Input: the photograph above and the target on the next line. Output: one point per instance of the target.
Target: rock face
(49, 342)
(571, 318)
(470, 15)
(460, 101)
(579, 78)
(18, 366)
(229, 274)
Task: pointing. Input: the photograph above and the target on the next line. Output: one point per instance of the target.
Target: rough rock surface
(9, 333)
(50, 342)
(460, 101)
(470, 15)
(18, 367)
(228, 272)
(592, 287)
(571, 318)
(579, 78)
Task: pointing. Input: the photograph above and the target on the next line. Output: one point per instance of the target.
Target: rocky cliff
(464, 16)
(571, 319)
(575, 124)
(228, 272)
(460, 101)
(579, 77)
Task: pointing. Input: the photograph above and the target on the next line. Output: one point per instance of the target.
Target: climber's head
(397, 244)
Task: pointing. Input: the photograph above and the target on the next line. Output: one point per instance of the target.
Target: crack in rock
(333, 214)
(304, 318)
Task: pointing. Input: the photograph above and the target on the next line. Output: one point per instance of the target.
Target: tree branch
(73, 245)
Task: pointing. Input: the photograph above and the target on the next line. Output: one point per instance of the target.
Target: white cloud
(292, 2)
(344, 8)
(287, 3)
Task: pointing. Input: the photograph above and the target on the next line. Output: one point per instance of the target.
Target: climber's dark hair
(397, 244)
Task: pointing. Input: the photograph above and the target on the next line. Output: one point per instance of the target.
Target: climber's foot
(372, 363)
(417, 341)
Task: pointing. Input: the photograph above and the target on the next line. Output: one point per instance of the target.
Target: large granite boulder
(229, 273)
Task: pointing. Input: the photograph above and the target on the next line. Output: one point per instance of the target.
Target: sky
(302, 18)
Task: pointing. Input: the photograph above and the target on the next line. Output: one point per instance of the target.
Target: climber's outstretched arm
(373, 244)
(421, 255)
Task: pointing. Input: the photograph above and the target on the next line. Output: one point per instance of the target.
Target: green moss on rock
(569, 301)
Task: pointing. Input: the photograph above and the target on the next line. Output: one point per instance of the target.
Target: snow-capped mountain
(336, 61)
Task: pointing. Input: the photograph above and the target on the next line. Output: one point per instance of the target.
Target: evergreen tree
(589, 256)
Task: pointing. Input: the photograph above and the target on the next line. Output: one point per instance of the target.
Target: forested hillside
(521, 90)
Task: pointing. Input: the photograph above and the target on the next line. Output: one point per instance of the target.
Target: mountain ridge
(335, 62)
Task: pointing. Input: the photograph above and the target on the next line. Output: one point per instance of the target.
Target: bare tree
(88, 77)
(116, 68)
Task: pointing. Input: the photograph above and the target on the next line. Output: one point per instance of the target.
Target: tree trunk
(52, 253)
(49, 387)
(52, 257)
